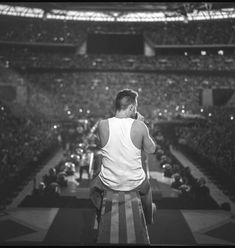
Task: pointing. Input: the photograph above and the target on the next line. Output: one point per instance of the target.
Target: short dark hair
(124, 98)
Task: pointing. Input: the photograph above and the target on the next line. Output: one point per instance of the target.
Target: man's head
(126, 101)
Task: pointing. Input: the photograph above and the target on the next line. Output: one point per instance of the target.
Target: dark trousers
(96, 195)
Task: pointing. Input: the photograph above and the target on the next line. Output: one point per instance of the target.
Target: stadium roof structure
(177, 7)
(130, 11)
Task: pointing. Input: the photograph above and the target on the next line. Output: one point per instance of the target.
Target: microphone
(139, 116)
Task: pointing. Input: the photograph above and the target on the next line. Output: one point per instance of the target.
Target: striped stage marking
(129, 220)
(114, 232)
(122, 219)
(105, 223)
(140, 230)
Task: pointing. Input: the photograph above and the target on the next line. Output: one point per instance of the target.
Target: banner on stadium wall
(217, 97)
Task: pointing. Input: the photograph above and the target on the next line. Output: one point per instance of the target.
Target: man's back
(121, 164)
(122, 139)
(139, 135)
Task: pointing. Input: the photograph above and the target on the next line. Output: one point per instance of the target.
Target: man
(121, 140)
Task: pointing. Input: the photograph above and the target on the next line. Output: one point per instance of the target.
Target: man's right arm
(149, 145)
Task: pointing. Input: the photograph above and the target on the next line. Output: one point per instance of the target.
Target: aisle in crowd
(34, 182)
(215, 192)
(185, 223)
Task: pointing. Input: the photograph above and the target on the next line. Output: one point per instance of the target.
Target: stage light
(203, 53)
(231, 118)
(201, 110)
(221, 52)
(209, 114)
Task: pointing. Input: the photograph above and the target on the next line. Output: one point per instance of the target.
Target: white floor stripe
(114, 232)
(129, 220)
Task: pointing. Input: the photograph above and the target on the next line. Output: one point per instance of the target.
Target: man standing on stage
(122, 138)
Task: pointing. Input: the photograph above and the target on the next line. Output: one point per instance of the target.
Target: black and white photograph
(117, 123)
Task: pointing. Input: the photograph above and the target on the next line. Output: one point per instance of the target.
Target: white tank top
(121, 167)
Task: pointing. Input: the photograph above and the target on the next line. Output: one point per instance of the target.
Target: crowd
(82, 93)
(78, 158)
(214, 140)
(193, 33)
(26, 142)
(22, 141)
(36, 30)
(171, 33)
(193, 192)
(24, 58)
(79, 95)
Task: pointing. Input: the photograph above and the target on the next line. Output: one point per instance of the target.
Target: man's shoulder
(103, 123)
(139, 125)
